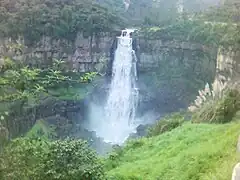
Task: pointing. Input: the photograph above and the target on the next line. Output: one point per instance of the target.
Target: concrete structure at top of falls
(122, 96)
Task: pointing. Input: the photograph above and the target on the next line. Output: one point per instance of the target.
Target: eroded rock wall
(228, 64)
(78, 54)
(171, 72)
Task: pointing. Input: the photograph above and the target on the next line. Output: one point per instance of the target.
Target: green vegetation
(167, 123)
(181, 150)
(23, 87)
(56, 19)
(203, 148)
(159, 13)
(198, 31)
(192, 151)
(218, 26)
(43, 130)
(221, 110)
(58, 160)
(218, 104)
(228, 12)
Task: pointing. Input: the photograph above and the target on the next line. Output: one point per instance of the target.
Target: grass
(167, 123)
(189, 152)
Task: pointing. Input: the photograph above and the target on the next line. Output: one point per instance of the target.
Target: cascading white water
(122, 98)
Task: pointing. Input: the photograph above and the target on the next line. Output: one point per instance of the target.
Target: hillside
(193, 151)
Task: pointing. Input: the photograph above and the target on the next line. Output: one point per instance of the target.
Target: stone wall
(76, 54)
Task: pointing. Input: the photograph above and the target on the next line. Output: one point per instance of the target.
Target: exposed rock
(76, 54)
(228, 65)
(238, 144)
(236, 172)
(141, 131)
(61, 113)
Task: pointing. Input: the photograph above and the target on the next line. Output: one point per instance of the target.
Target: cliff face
(228, 64)
(171, 72)
(194, 56)
(78, 54)
(81, 56)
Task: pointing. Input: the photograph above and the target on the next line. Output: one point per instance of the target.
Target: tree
(57, 19)
(20, 84)
(37, 159)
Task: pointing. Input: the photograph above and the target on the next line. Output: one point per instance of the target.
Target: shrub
(221, 110)
(217, 106)
(206, 95)
(71, 160)
(113, 159)
(59, 160)
(168, 123)
(20, 159)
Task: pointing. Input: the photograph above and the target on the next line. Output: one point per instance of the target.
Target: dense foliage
(199, 31)
(217, 26)
(159, 12)
(167, 123)
(59, 160)
(228, 12)
(57, 19)
(23, 87)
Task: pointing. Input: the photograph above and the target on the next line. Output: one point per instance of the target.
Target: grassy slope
(190, 152)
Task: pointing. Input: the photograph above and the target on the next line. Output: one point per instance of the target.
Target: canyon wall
(170, 72)
(228, 64)
(78, 54)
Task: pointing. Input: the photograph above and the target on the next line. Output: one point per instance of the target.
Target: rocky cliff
(170, 72)
(80, 55)
(228, 64)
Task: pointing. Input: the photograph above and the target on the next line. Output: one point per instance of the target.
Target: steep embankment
(190, 152)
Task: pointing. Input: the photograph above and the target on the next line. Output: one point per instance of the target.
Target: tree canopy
(58, 19)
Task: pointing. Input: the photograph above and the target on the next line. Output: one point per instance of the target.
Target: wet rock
(142, 130)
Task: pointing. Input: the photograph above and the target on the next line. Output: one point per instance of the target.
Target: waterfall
(122, 97)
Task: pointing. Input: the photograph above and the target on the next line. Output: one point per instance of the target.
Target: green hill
(189, 152)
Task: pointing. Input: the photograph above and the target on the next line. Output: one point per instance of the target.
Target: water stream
(120, 108)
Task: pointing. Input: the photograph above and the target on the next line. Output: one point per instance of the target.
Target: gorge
(119, 89)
